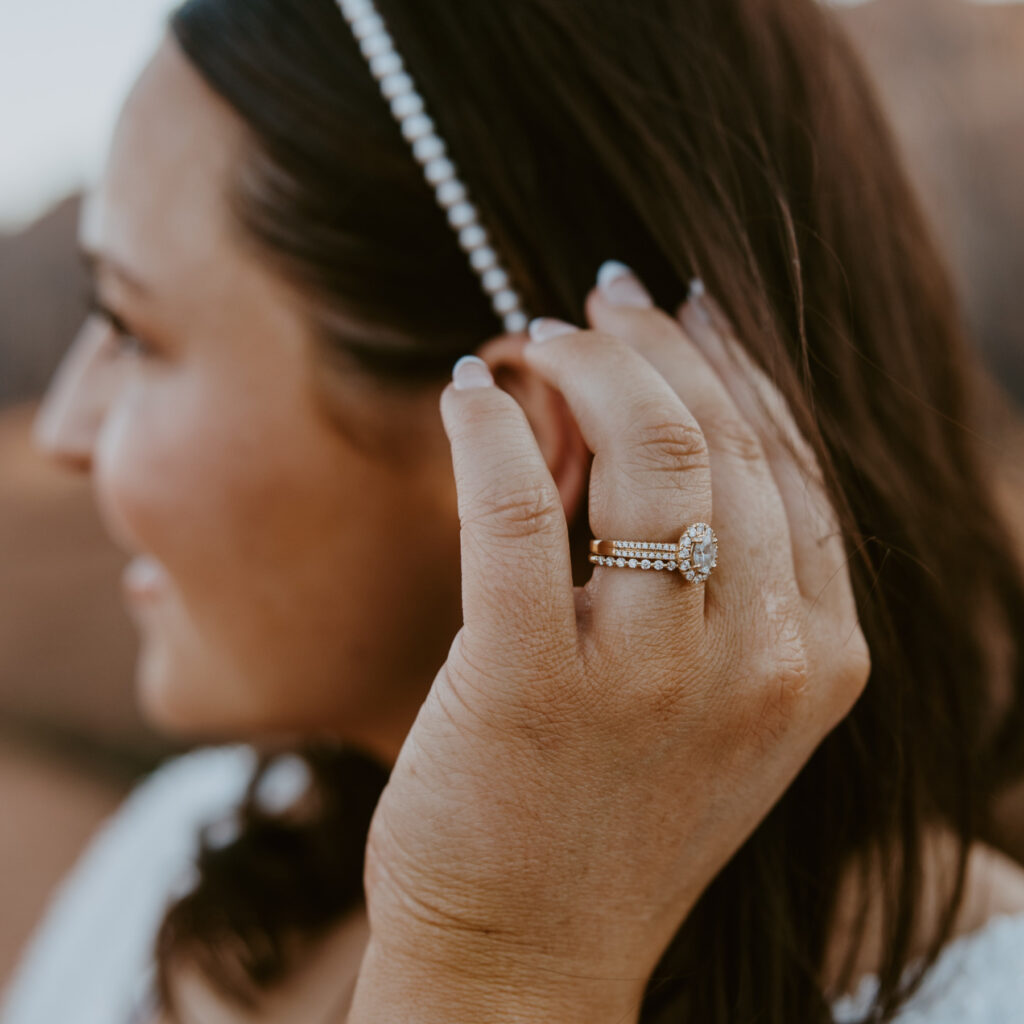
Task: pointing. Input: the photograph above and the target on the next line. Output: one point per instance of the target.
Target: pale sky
(65, 66)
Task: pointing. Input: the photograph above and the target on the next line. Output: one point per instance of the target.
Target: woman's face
(297, 582)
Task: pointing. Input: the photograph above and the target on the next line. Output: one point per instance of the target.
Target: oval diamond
(705, 552)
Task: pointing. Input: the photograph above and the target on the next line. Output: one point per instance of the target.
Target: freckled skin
(314, 585)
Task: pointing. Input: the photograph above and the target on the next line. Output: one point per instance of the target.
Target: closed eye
(127, 340)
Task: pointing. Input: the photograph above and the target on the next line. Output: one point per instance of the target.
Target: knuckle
(852, 672)
(670, 446)
(731, 438)
(519, 514)
(786, 682)
(783, 681)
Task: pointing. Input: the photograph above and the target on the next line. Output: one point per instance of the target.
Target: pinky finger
(819, 550)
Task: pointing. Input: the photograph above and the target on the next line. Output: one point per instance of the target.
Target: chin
(179, 690)
(195, 703)
(179, 702)
(191, 692)
(163, 702)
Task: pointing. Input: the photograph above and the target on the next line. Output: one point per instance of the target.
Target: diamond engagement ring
(695, 554)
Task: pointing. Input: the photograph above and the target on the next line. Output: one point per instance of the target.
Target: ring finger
(751, 521)
(651, 474)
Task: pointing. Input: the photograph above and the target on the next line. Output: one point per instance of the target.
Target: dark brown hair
(736, 140)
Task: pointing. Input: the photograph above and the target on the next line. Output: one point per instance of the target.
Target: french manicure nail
(545, 328)
(471, 372)
(621, 287)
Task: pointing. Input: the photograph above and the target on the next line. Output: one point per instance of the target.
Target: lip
(144, 578)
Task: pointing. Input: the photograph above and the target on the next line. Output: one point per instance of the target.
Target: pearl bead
(472, 237)
(417, 126)
(406, 105)
(383, 64)
(494, 280)
(396, 85)
(461, 215)
(506, 301)
(516, 323)
(377, 44)
(353, 9)
(483, 259)
(439, 170)
(428, 148)
(451, 192)
(367, 25)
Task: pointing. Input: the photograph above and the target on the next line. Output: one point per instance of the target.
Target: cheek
(199, 485)
(285, 549)
(138, 458)
(227, 503)
(160, 464)
(255, 512)
(213, 467)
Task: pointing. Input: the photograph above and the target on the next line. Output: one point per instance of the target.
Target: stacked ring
(694, 555)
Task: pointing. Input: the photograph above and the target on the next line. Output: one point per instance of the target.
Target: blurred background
(951, 73)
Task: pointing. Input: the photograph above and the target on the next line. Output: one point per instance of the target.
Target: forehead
(162, 198)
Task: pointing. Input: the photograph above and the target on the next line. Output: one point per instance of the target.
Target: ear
(558, 436)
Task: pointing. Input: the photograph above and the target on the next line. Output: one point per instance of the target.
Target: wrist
(437, 984)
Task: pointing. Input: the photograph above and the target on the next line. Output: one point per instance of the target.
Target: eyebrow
(93, 260)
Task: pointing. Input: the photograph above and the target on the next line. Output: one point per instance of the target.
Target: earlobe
(553, 424)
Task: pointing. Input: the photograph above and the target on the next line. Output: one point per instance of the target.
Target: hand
(587, 761)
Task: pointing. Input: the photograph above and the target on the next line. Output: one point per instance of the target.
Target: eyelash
(127, 342)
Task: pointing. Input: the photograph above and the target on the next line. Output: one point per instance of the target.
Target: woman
(654, 797)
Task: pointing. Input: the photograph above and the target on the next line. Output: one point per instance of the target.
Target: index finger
(517, 586)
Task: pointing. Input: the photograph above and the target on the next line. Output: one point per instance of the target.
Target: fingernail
(545, 328)
(621, 287)
(695, 296)
(471, 372)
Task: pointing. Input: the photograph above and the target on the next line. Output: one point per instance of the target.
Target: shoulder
(96, 933)
(981, 966)
(154, 831)
(993, 886)
(978, 979)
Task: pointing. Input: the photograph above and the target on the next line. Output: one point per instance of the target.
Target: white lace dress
(89, 962)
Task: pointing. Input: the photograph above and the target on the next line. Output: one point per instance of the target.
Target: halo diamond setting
(695, 555)
(698, 552)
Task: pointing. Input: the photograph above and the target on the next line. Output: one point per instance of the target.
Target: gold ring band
(694, 555)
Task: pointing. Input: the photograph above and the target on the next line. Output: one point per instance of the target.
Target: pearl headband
(408, 107)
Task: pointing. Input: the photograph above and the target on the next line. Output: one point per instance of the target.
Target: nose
(74, 406)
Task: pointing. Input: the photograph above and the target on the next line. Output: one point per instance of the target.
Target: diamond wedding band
(694, 555)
